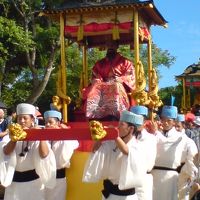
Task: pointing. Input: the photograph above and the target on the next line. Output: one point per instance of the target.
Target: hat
(140, 110)
(180, 118)
(132, 118)
(189, 117)
(53, 113)
(26, 109)
(197, 120)
(169, 112)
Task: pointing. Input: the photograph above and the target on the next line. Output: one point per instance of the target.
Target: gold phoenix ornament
(16, 132)
(97, 130)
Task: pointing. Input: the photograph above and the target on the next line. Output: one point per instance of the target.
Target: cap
(140, 110)
(189, 117)
(197, 120)
(26, 109)
(53, 113)
(169, 112)
(180, 118)
(132, 118)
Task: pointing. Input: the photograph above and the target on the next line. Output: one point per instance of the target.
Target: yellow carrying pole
(184, 94)
(63, 65)
(188, 99)
(136, 45)
(150, 68)
(85, 67)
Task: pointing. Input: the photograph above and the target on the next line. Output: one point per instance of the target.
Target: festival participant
(26, 167)
(112, 78)
(189, 170)
(11, 115)
(170, 149)
(63, 151)
(120, 162)
(3, 125)
(150, 145)
(189, 125)
(196, 131)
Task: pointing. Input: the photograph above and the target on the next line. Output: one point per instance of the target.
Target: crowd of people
(34, 169)
(156, 159)
(148, 160)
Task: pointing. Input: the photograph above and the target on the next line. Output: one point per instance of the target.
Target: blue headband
(53, 113)
(169, 112)
(140, 110)
(132, 118)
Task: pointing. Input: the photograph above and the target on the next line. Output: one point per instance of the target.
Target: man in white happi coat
(150, 145)
(189, 171)
(26, 166)
(120, 163)
(170, 149)
(63, 151)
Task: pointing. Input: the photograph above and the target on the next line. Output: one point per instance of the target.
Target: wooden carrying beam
(75, 131)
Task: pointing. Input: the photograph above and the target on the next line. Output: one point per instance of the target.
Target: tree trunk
(37, 91)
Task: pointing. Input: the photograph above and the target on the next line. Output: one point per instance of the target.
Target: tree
(166, 94)
(13, 40)
(30, 72)
(39, 59)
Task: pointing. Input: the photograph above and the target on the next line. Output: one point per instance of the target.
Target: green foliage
(166, 93)
(41, 35)
(13, 39)
(17, 91)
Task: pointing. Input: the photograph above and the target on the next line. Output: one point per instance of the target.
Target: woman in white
(149, 142)
(170, 149)
(189, 171)
(121, 163)
(26, 167)
(63, 151)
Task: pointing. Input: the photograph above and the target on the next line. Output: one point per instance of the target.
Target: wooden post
(85, 67)
(184, 95)
(150, 68)
(63, 65)
(136, 44)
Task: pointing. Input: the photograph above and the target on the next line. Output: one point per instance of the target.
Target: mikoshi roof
(96, 20)
(191, 75)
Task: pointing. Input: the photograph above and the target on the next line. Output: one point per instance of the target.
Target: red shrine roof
(191, 75)
(93, 22)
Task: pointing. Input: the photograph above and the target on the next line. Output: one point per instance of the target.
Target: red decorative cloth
(111, 81)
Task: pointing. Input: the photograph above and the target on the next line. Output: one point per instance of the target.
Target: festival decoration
(155, 101)
(139, 94)
(97, 130)
(16, 132)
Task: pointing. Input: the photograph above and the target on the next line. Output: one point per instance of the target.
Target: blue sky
(181, 38)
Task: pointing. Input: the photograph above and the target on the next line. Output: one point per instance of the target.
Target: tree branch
(18, 10)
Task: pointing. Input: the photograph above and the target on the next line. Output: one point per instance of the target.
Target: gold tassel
(115, 32)
(141, 33)
(80, 33)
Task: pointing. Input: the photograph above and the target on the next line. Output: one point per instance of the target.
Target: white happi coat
(44, 167)
(189, 170)
(128, 171)
(169, 154)
(149, 142)
(63, 151)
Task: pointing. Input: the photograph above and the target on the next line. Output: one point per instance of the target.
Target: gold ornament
(97, 130)
(155, 101)
(139, 94)
(16, 132)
